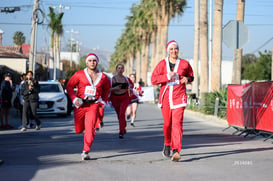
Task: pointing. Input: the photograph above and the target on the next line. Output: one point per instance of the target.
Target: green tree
(246, 61)
(19, 38)
(259, 70)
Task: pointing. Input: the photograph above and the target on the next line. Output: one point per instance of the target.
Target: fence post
(216, 106)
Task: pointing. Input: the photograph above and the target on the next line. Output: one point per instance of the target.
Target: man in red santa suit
(92, 92)
(172, 73)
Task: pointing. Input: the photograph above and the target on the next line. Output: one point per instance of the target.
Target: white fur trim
(91, 57)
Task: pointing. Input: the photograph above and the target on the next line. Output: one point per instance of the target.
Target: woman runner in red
(172, 73)
(121, 92)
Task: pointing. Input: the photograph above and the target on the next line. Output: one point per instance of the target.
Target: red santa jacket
(177, 91)
(137, 90)
(81, 80)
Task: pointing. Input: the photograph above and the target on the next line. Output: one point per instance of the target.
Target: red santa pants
(100, 117)
(85, 118)
(120, 104)
(173, 124)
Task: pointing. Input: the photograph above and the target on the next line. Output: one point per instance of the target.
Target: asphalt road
(208, 153)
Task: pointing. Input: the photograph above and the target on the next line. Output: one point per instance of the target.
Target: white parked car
(52, 98)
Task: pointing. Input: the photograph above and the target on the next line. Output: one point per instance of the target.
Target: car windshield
(50, 88)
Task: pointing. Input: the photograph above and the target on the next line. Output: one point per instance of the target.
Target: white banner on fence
(148, 94)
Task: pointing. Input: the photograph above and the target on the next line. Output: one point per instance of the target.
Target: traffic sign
(235, 34)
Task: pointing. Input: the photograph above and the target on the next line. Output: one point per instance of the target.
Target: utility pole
(210, 42)
(71, 39)
(32, 52)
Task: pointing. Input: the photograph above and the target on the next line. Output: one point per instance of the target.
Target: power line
(101, 25)
(264, 44)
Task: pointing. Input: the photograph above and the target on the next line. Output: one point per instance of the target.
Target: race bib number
(174, 80)
(90, 91)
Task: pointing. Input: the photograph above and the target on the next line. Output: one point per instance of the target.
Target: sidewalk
(14, 119)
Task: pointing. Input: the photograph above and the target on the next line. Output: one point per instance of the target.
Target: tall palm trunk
(195, 84)
(204, 46)
(145, 60)
(58, 44)
(51, 56)
(158, 42)
(131, 64)
(164, 36)
(153, 53)
(217, 46)
(138, 65)
(55, 59)
(126, 67)
(237, 62)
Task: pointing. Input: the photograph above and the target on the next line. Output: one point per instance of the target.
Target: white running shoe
(85, 156)
(23, 129)
(38, 127)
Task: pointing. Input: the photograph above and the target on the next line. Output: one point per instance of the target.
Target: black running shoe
(166, 151)
(121, 136)
(132, 124)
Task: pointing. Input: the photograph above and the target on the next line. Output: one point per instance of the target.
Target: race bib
(90, 91)
(174, 80)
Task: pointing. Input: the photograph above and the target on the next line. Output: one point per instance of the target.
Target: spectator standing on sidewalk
(172, 73)
(6, 96)
(92, 92)
(30, 92)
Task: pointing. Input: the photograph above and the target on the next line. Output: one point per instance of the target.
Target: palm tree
(195, 84)
(56, 29)
(217, 46)
(59, 32)
(204, 46)
(141, 24)
(166, 9)
(237, 63)
(19, 38)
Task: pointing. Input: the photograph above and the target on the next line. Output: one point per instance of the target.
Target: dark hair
(29, 72)
(7, 75)
(119, 65)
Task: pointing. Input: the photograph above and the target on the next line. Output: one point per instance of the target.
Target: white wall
(75, 56)
(17, 64)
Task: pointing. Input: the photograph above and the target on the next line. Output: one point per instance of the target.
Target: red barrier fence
(251, 105)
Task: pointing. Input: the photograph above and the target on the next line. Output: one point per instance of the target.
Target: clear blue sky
(100, 23)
